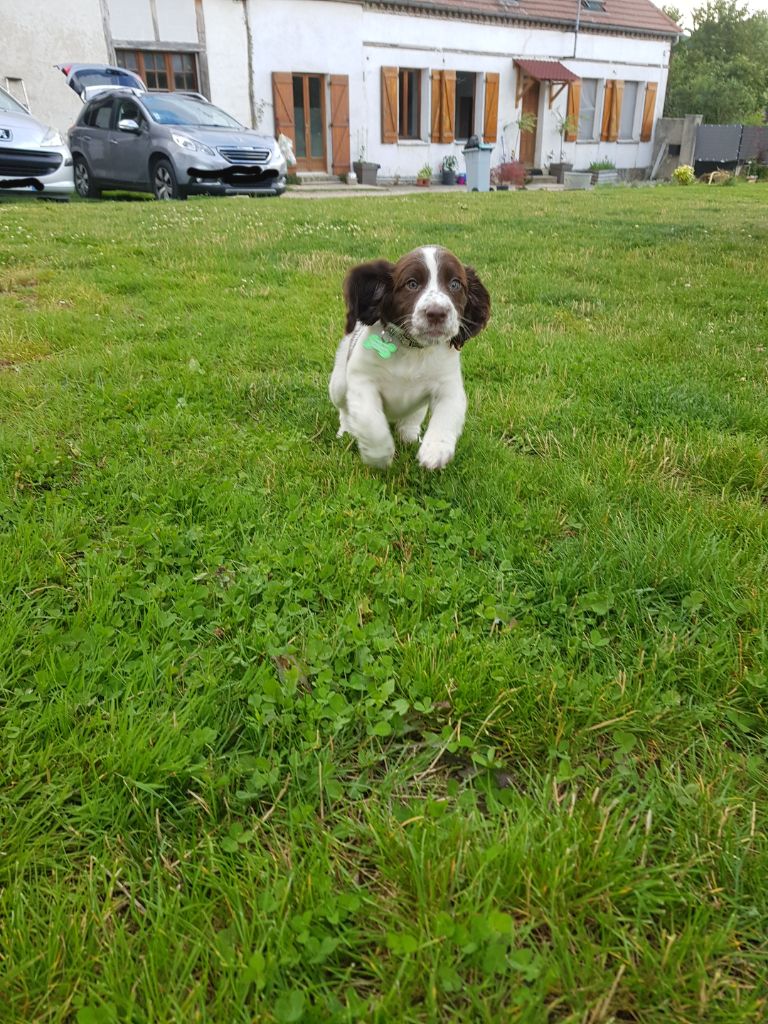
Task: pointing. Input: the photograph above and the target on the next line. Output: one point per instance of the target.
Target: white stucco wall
(176, 21)
(227, 48)
(35, 36)
(342, 38)
(131, 20)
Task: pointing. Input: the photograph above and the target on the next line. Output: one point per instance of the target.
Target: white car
(34, 158)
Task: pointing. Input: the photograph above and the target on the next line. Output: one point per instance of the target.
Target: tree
(674, 13)
(721, 69)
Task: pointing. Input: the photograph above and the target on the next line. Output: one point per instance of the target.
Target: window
(466, 88)
(587, 108)
(409, 120)
(628, 110)
(99, 115)
(128, 110)
(593, 5)
(161, 72)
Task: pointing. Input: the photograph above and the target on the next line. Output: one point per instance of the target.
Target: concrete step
(334, 185)
(315, 177)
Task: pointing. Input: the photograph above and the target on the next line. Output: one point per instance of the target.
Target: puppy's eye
(412, 284)
(455, 284)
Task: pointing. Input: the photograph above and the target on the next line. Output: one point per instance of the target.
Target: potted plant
(424, 176)
(449, 169)
(566, 125)
(604, 172)
(365, 170)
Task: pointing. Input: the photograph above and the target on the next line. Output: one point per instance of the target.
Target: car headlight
(186, 143)
(52, 138)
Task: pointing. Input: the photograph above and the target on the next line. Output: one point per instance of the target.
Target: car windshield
(166, 109)
(8, 105)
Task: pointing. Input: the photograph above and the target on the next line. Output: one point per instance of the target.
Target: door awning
(551, 71)
(547, 71)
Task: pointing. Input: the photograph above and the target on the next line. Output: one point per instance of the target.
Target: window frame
(134, 60)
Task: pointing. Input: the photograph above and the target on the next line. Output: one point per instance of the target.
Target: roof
(629, 16)
(547, 70)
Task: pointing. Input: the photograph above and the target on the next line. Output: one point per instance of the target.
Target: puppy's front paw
(436, 454)
(377, 458)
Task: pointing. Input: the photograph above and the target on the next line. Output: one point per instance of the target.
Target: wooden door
(528, 139)
(310, 122)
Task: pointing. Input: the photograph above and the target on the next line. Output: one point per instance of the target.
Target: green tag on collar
(381, 347)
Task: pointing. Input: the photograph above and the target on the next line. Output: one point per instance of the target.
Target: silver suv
(173, 144)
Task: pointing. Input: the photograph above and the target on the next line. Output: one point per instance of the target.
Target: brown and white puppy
(406, 323)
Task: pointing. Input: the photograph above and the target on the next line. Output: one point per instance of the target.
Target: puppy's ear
(477, 310)
(365, 288)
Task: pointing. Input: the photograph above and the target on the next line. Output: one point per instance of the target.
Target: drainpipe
(578, 22)
(249, 43)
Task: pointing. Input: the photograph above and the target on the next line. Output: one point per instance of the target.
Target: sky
(687, 6)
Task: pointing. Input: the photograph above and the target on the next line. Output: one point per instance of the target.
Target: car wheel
(84, 181)
(164, 183)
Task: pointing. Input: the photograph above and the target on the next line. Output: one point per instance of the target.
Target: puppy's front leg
(445, 425)
(368, 424)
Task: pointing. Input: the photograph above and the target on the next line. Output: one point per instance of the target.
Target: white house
(401, 83)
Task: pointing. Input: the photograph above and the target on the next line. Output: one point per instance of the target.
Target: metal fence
(724, 144)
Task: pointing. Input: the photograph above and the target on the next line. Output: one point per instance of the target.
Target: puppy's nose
(435, 315)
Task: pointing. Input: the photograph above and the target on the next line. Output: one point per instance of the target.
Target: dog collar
(397, 336)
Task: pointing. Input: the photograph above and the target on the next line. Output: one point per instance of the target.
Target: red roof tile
(641, 16)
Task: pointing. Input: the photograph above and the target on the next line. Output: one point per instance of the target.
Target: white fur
(371, 392)
(434, 298)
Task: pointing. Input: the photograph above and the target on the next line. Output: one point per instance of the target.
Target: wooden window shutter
(491, 112)
(340, 123)
(448, 106)
(611, 110)
(436, 128)
(618, 103)
(389, 122)
(282, 97)
(574, 104)
(649, 109)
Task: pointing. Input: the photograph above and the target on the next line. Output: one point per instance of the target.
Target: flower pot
(461, 179)
(366, 172)
(558, 171)
(424, 182)
(605, 177)
(577, 179)
(448, 177)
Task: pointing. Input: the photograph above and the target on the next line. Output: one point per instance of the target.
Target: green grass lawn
(286, 739)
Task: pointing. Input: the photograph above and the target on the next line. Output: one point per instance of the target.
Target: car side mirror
(129, 125)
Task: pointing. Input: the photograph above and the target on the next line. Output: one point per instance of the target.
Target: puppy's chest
(411, 378)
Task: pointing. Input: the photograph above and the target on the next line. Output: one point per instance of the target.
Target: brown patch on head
(449, 271)
(409, 279)
(477, 310)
